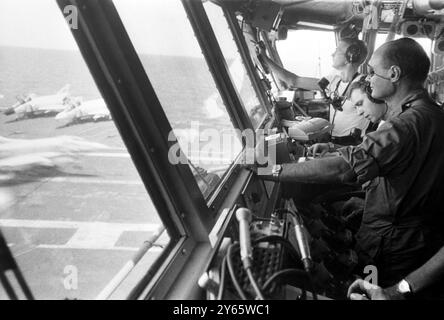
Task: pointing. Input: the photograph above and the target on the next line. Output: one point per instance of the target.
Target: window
(307, 53)
(242, 81)
(424, 42)
(173, 61)
(71, 223)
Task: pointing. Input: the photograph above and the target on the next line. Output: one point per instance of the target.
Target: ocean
(183, 84)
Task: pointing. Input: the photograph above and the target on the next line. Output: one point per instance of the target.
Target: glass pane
(173, 61)
(426, 43)
(73, 208)
(307, 52)
(238, 73)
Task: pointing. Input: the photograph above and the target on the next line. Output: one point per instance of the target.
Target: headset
(353, 53)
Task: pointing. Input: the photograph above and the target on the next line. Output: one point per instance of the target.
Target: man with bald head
(402, 229)
(404, 208)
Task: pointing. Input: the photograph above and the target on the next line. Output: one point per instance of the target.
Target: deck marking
(116, 248)
(60, 224)
(88, 235)
(106, 154)
(98, 181)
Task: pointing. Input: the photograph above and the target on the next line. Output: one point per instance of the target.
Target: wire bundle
(228, 263)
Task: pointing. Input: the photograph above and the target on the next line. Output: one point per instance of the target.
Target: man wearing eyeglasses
(402, 229)
(408, 161)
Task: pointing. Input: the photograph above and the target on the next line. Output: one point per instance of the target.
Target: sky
(40, 24)
(34, 23)
(301, 48)
(155, 26)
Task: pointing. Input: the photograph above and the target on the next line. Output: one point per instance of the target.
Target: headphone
(353, 53)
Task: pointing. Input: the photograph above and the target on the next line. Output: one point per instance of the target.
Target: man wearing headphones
(402, 229)
(348, 56)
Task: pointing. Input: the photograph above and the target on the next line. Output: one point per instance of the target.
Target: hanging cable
(254, 284)
(236, 284)
(223, 271)
(302, 244)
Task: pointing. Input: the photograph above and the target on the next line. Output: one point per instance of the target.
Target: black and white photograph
(207, 152)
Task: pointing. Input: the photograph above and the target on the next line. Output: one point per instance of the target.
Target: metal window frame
(216, 62)
(221, 74)
(144, 127)
(245, 54)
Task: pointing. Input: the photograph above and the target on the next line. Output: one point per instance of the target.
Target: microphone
(323, 84)
(244, 217)
(356, 134)
(335, 101)
(302, 241)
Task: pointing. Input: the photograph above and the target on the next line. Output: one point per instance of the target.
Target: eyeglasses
(372, 73)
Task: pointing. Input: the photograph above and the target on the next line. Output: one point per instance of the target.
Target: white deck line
(106, 154)
(71, 247)
(58, 224)
(193, 157)
(88, 235)
(98, 181)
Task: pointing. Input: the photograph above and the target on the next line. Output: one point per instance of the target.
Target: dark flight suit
(402, 225)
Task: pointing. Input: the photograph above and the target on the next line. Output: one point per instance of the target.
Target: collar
(415, 98)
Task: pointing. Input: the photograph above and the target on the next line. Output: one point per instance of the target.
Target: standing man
(346, 59)
(402, 229)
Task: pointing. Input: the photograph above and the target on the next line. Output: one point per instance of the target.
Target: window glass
(424, 42)
(237, 70)
(176, 67)
(73, 209)
(307, 52)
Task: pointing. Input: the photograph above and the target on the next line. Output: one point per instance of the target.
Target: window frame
(221, 74)
(144, 127)
(239, 38)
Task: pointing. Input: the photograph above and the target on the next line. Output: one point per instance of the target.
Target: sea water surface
(182, 84)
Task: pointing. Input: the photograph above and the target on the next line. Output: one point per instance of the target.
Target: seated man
(370, 108)
(348, 56)
(402, 229)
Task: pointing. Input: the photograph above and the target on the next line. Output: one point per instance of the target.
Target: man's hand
(319, 149)
(364, 290)
(260, 48)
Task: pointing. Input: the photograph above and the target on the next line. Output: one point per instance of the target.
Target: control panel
(293, 252)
